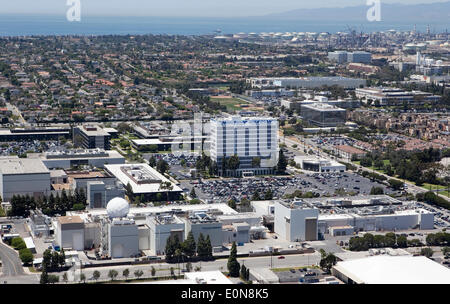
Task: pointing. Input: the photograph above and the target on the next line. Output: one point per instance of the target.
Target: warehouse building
(23, 176)
(387, 269)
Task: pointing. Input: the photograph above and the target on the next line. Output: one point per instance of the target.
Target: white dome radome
(117, 207)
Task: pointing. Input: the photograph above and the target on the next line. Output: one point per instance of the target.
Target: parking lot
(18, 148)
(324, 184)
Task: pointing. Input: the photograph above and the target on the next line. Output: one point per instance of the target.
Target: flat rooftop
(142, 178)
(22, 166)
(395, 270)
(70, 220)
(224, 208)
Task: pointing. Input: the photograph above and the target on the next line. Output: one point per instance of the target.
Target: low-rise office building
(145, 181)
(323, 115)
(311, 163)
(91, 137)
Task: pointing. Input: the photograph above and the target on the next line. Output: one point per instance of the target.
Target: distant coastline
(32, 25)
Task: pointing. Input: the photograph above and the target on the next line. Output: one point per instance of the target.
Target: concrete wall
(214, 230)
(23, 184)
(123, 239)
(290, 223)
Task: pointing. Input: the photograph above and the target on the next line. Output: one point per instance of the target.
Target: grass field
(385, 162)
(230, 103)
(436, 187)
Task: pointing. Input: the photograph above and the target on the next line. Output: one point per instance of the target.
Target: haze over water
(13, 25)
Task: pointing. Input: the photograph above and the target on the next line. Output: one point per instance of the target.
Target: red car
(281, 257)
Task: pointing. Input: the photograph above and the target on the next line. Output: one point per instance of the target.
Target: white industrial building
(96, 158)
(379, 219)
(23, 176)
(248, 138)
(386, 269)
(70, 232)
(316, 164)
(207, 224)
(296, 221)
(162, 227)
(120, 231)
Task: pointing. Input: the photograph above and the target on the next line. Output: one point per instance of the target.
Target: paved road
(12, 266)
(163, 269)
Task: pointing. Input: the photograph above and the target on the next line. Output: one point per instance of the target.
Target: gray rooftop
(22, 166)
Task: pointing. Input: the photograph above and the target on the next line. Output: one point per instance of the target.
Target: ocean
(13, 25)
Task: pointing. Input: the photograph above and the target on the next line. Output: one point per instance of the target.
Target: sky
(179, 8)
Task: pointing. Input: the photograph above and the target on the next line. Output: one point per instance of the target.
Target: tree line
(391, 239)
(21, 205)
(189, 249)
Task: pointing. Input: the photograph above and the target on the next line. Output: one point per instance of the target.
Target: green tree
(18, 243)
(64, 277)
(96, 275)
(52, 279)
(427, 251)
(282, 163)
(233, 265)
(47, 259)
(376, 191)
(54, 264)
(162, 166)
(83, 278)
(327, 261)
(189, 266)
(256, 162)
(152, 162)
(232, 204)
(268, 195)
(126, 273)
(112, 274)
(201, 247)
(138, 273)
(189, 246)
(26, 256)
(208, 248)
(402, 241)
(193, 194)
(233, 162)
(244, 273)
(44, 276)
(62, 258)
